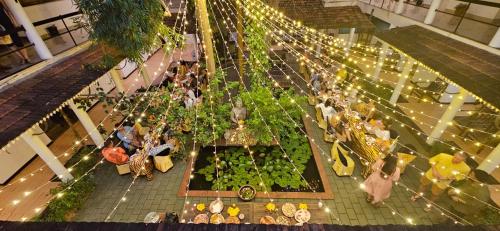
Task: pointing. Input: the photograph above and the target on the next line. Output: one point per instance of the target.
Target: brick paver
(161, 195)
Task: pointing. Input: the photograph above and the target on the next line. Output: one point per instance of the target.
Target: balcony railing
(466, 19)
(60, 33)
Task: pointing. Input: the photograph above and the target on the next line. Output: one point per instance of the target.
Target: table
(369, 153)
(255, 210)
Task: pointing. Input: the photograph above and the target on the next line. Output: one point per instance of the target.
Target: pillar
(117, 78)
(492, 160)
(240, 33)
(400, 7)
(47, 156)
(452, 109)
(495, 41)
(401, 62)
(87, 123)
(20, 15)
(202, 14)
(401, 82)
(145, 76)
(380, 61)
(350, 41)
(431, 13)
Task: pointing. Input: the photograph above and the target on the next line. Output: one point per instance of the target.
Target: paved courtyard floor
(160, 195)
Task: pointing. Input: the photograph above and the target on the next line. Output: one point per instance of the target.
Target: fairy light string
(332, 62)
(451, 187)
(61, 193)
(453, 147)
(159, 127)
(233, 25)
(283, 18)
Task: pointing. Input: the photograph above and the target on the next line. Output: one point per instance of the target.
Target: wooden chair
(344, 165)
(319, 118)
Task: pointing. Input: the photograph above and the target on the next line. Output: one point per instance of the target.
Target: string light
(285, 111)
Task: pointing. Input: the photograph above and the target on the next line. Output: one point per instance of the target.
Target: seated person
(115, 155)
(163, 149)
(366, 110)
(327, 109)
(342, 127)
(128, 136)
(141, 164)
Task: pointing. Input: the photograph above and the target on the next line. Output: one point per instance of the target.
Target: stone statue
(239, 112)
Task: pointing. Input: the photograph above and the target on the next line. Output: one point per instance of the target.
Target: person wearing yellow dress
(445, 168)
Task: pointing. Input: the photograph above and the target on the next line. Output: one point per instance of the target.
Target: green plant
(255, 37)
(236, 168)
(220, 111)
(128, 27)
(264, 112)
(72, 196)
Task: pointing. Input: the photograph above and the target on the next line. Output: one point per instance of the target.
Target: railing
(465, 21)
(59, 33)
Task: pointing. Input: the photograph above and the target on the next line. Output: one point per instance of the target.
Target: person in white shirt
(327, 109)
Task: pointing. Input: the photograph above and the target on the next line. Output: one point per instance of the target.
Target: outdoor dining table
(368, 153)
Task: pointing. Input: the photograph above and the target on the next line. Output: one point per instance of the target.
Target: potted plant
(247, 193)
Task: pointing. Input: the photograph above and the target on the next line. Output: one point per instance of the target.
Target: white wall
(17, 155)
(474, 9)
(48, 10)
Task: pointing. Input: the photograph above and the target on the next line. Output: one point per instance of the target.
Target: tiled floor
(161, 195)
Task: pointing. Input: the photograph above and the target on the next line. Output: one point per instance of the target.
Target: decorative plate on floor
(216, 206)
(217, 219)
(282, 220)
(302, 216)
(267, 220)
(201, 219)
(288, 209)
(232, 220)
(152, 217)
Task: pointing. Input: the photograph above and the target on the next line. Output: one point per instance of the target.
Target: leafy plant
(221, 111)
(269, 113)
(73, 196)
(255, 37)
(128, 27)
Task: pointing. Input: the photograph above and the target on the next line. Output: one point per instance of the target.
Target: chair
(312, 100)
(403, 160)
(344, 165)
(328, 137)
(319, 118)
(123, 168)
(163, 163)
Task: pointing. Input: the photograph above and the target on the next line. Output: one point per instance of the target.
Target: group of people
(138, 145)
(337, 106)
(189, 80)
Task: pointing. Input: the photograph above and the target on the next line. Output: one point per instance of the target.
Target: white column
(87, 123)
(145, 76)
(401, 82)
(117, 78)
(381, 59)
(21, 17)
(431, 13)
(47, 156)
(455, 105)
(495, 41)
(400, 7)
(401, 62)
(492, 161)
(350, 41)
